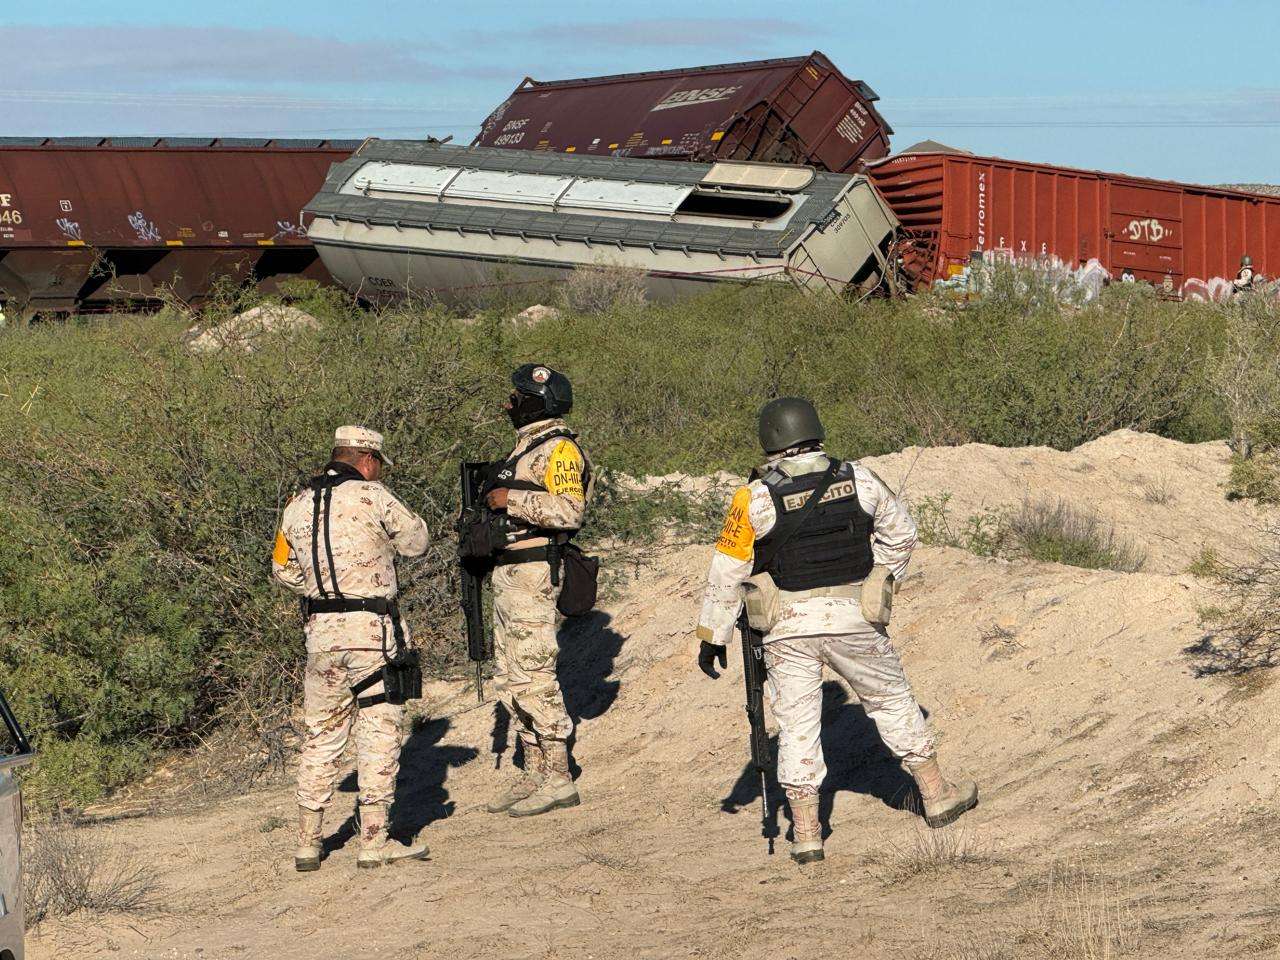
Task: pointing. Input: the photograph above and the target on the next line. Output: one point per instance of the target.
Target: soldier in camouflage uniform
(338, 541)
(543, 487)
(857, 533)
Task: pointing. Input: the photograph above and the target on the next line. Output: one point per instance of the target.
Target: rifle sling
(791, 525)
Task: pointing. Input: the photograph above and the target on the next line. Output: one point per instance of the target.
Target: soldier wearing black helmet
(542, 488)
(821, 576)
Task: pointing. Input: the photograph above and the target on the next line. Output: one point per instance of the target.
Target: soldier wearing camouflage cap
(338, 541)
(543, 488)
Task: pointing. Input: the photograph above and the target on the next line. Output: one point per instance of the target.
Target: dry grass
(1001, 642)
(1062, 533)
(927, 851)
(1081, 915)
(603, 287)
(617, 862)
(1077, 914)
(974, 947)
(1158, 490)
(66, 871)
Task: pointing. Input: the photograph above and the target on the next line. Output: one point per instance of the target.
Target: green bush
(143, 484)
(986, 534)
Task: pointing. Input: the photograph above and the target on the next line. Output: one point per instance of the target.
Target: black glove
(708, 653)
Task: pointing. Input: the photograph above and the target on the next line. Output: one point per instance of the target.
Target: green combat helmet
(788, 422)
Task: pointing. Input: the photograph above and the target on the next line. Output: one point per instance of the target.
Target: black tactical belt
(379, 605)
(549, 554)
(530, 555)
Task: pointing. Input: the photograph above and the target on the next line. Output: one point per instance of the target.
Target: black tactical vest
(832, 547)
(502, 473)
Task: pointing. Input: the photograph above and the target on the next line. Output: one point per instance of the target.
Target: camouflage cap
(361, 438)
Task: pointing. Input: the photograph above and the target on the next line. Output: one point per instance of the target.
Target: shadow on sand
(421, 795)
(857, 761)
(589, 648)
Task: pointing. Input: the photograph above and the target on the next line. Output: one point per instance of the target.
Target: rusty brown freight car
(795, 110)
(87, 222)
(1184, 238)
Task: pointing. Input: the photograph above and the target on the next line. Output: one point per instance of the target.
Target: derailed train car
(794, 110)
(1187, 240)
(87, 222)
(414, 216)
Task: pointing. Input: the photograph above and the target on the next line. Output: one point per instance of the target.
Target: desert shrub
(678, 386)
(1062, 533)
(1042, 530)
(1255, 477)
(1243, 625)
(1247, 373)
(1247, 378)
(601, 287)
(986, 534)
(66, 871)
(148, 497)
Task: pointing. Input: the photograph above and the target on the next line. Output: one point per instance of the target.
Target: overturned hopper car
(452, 222)
(796, 110)
(88, 222)
(1188, 240)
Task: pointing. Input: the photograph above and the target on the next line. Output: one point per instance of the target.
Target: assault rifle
(753, 672)
(472, 570)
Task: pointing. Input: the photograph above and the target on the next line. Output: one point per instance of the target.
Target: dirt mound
(1164, 496)
(1127, 790)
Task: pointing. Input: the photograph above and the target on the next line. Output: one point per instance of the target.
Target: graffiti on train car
(145, 229)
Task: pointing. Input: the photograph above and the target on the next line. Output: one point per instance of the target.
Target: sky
(1178, 89)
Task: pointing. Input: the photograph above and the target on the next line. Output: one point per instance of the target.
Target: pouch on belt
(763, 601)
(877, 596)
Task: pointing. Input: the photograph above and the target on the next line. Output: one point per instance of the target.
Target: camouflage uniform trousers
(330, 715)
(525, 650)
(868, 662)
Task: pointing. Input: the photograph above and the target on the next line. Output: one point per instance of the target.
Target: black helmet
(788, 422)
(536, 380)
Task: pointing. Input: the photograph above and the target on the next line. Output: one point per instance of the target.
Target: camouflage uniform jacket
(556, 463)
(368, 528)
(752, 515)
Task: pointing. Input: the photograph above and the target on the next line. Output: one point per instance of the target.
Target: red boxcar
(90, 221)
(797, 110)
(1189, 239)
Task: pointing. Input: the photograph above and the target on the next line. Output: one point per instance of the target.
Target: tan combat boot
(535, 771)
(307, 856)
(376, 848)
(944, 802)
(806, 830)
(556, 790)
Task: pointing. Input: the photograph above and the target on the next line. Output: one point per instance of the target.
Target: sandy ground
(1125, 785)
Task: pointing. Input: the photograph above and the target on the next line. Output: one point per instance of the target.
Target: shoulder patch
(738, 536)
(563, 476)
(280, 555)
